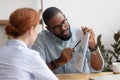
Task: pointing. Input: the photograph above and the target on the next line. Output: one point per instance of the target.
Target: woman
(17, 61)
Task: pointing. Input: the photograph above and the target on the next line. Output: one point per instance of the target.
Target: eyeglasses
(58, 27)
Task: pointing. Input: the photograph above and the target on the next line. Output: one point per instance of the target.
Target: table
(81, 76)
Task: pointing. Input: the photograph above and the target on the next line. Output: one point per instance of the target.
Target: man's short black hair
(50, 12)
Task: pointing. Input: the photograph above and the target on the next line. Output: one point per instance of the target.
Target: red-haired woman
(17, 61)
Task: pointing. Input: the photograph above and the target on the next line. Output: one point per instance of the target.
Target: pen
(76, 44)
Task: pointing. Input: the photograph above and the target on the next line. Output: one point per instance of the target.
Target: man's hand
(96, 60)
(66, 56)
(92, 42)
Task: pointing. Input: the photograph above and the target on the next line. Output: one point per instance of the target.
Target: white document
(81, 52)
(106, 77)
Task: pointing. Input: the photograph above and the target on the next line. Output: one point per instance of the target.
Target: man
(56, 45)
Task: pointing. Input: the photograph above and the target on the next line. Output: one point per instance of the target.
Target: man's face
(59, 26)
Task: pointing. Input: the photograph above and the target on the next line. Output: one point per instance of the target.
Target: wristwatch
(53, 63)
(93, 49)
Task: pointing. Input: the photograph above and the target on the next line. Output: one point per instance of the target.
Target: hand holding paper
(81, 52)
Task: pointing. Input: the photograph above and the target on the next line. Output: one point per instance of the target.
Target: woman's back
(18, 62)
(15, 61)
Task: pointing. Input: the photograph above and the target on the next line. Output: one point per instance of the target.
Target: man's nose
(63, 27)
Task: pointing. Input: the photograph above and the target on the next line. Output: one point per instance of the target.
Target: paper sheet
(81, 52)
(106, 77)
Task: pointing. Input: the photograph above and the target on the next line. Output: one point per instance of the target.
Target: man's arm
(66, 56)
(96, 59)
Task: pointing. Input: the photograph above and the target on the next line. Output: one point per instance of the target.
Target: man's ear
(64, 16)
(48, 28)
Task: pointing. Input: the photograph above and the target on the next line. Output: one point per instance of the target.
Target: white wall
(8, 6)
(101, 15)
(3, 37)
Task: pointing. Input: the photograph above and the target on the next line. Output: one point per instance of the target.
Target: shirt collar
(16, 42)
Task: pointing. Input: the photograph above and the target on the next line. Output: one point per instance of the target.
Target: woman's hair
(21, 20)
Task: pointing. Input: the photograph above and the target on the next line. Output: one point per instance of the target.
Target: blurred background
(103, 16)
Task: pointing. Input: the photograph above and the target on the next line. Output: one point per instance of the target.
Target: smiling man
(56, 45)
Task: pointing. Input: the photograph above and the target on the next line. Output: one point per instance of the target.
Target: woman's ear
(30, 31)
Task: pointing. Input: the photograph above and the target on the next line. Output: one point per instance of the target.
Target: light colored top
(18, 62)
(51, 46)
